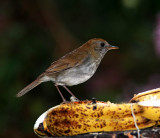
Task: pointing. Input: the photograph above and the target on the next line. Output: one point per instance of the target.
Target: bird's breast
(78, 74)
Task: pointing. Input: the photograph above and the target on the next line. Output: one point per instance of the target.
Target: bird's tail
(29, 87)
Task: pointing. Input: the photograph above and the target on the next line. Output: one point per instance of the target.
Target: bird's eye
(102, 44)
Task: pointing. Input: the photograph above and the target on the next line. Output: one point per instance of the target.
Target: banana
(82, 117)
(147, 96)
(79, 117)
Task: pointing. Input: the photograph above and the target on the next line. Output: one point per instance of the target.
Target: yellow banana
(87, 117)
(78, 118)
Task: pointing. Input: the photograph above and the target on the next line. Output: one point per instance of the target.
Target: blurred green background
(33, 33)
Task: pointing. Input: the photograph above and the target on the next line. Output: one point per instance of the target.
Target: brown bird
(75, 67)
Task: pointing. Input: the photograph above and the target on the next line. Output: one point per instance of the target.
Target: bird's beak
(112, 47)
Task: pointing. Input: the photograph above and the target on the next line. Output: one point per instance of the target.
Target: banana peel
(150, 95)
(79, 117)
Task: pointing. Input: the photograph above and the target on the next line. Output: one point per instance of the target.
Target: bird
(73, 68)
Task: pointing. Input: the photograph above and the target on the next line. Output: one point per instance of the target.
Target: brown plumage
(75, 67)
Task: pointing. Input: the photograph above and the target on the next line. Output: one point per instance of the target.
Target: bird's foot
(74, 99)
(65, 102)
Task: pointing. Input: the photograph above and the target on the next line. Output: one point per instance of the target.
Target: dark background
(33, 33)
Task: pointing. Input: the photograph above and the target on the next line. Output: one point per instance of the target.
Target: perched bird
(75, 67)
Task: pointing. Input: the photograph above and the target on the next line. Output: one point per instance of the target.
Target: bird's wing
(68, 61)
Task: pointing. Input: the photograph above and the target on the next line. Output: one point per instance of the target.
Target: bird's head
(100, 45)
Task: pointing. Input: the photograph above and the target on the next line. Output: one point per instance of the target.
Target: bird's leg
(70, 92)
(64, 100)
